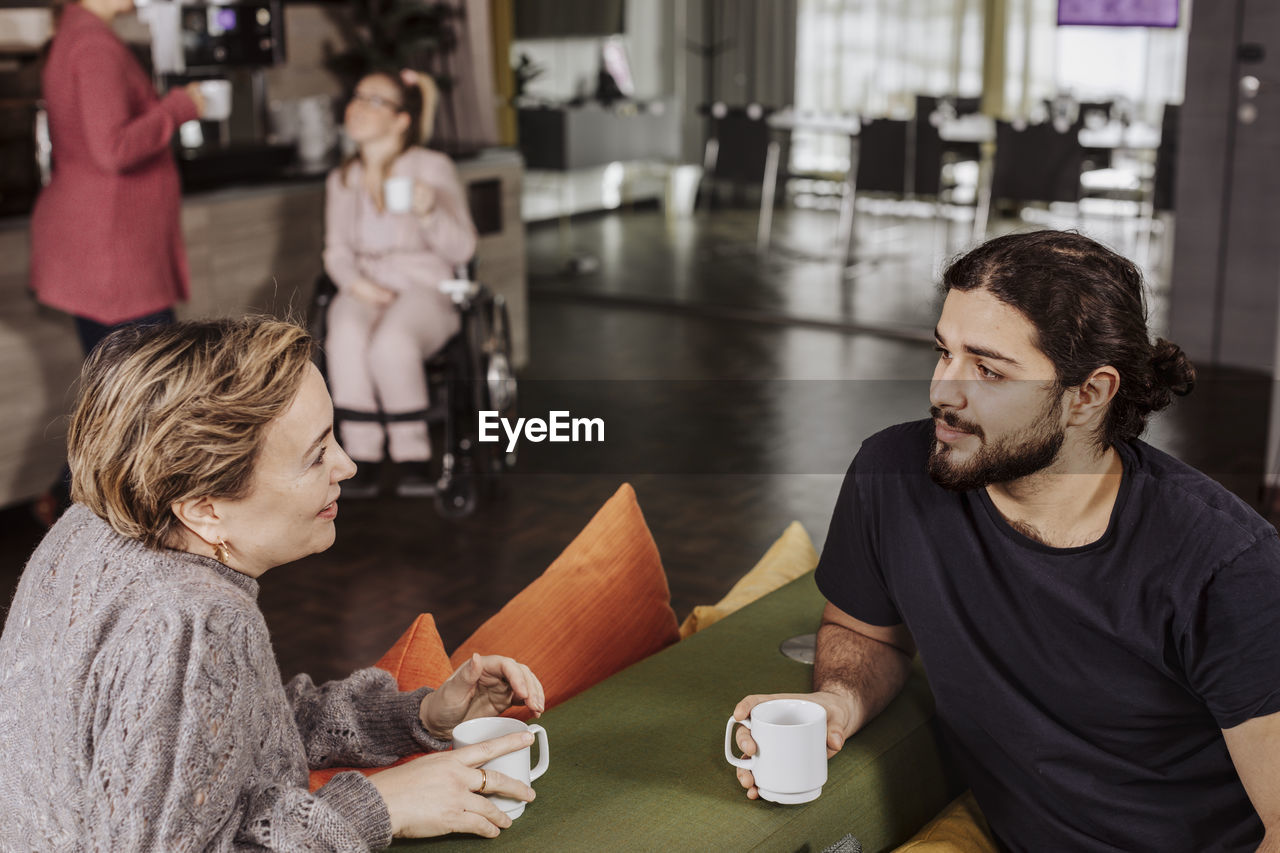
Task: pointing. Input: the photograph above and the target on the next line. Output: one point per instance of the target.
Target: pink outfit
(106, 234)
(375, 354)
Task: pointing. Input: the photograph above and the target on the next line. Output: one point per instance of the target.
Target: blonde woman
(140, 703)
(389, 314)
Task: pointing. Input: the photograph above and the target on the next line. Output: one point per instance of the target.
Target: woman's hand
(482, 687)
(424, 199)
(196, 96)
(440, 793)
(374, 294)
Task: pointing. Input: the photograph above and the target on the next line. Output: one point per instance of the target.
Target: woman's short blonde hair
(176, 412)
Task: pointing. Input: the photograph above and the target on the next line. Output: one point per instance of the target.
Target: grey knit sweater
(141, 709)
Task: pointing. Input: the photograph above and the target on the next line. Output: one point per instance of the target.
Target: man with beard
(1099, 622)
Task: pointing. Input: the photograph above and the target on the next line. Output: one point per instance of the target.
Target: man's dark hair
(1088, 308)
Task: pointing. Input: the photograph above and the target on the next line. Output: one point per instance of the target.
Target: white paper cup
(790, 764)
(217, 99)
(397, 194)
(513, 764)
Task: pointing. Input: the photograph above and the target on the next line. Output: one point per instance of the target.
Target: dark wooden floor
(735, 390)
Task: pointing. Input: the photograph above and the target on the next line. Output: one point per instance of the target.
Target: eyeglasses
(377, 101)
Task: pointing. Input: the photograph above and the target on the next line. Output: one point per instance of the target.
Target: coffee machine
(231, 40)
(24, 130)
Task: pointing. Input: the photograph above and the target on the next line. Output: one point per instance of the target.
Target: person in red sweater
(106, 235)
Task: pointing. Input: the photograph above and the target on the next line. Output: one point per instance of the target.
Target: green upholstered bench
(637, 761)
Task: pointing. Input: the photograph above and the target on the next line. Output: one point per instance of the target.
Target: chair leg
(844, 228)
(767, 189)
(986, 176)
(939, 205)
(710, 154)
(1147, 217)
(848, 204)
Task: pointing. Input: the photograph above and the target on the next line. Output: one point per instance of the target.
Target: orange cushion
(600, 607)
(417, 659)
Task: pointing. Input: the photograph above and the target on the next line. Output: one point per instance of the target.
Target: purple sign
(1118, 13)
(227, 19)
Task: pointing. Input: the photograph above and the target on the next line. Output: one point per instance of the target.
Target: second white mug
(514, 764)
(790, 764)
(397, 194)
(217, 99)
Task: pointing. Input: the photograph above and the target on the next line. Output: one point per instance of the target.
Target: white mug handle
(544, 752)
(744, 763)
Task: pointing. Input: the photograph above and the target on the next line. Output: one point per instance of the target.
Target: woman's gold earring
(221, 553)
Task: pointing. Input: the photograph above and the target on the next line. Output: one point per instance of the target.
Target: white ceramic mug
(513, 764)
(190, 134)
(397, 194)
(217, 99)
(790, 764)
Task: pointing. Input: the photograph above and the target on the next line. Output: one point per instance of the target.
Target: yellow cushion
(959, 828)
(787, 559)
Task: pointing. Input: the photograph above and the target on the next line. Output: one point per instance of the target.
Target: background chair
(1037, 163)
(936, 158)
(742, 151)
(885, 158)
(1161, 196)
(1164, 191)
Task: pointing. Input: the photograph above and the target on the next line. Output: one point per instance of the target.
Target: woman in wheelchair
(387, 262)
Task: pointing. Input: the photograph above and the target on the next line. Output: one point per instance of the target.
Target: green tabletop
(637, 761)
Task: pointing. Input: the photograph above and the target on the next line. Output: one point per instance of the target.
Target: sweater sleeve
(117, 137)
(339, 255)
(361, 721)
(448, 229)
(446, 237)
(181, 726)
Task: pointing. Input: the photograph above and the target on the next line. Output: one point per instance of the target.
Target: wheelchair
(470, 374)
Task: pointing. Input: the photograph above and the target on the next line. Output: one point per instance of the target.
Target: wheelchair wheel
(478, 378)
(498, 387)
(457, 495)
(318, 318)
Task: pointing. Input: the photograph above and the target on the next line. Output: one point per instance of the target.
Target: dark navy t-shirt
(1083, 689)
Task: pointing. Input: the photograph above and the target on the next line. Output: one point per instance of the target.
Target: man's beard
(1011, 458)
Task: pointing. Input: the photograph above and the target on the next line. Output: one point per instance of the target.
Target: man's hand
(482, 687)
(858, 670)
(840, 721)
